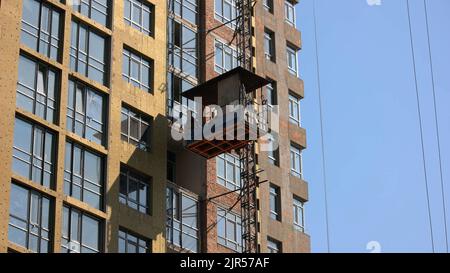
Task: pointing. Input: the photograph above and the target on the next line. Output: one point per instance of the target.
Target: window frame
(75, 52)
(274, 246)
(82, 177)
(144, 7)
(291, 52)
(46, 166)
(140, 179)
(230, 22)
(289, 9)
(140, 60)
(236, 220)
(296, 161)
(79, 239)
(142, 118)
(72, 120)
(298, 213)
(91, 7)
(46, 69)
(269, 45)
(231, 184)
(226, 51)
(29, 225)
(275, 200)
(52, 41)
(175, 223)
(294, 105)
(124, 234)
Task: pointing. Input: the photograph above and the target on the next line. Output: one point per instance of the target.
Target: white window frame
(269, 45)
(235, 182)
(274, 246)
(298, 212)
(224, 17)
(275, 193)
(292, 67)
(144, 7)
(294, 110)
(290, 15)
(296, 161)
(227, 216)
(226, 50)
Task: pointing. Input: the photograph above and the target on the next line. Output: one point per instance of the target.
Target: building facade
(89, 94)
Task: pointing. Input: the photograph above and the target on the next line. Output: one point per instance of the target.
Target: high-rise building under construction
(90, 89)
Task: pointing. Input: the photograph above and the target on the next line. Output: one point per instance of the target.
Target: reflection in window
(139, 15)
(299, 214)
(296, 161)
(136, 70)
(225, 57)
(225, 11)
(37, 88)
(273, 246)
(97, 10)
(88, 53)
(33, 153)
(81, 233)
(29, 219)
(135, 128)
(86, 112)
(134, 190)
(228, 171)
(84, 175)
(182, 220)
(183, 48)
(229, 230)
(41, 28)
(186, 9)
(130, 243)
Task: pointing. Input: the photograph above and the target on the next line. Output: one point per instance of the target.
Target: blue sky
(375, 177)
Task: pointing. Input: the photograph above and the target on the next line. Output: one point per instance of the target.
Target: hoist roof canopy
(209, 90)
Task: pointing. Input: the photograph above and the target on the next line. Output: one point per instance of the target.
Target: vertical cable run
(436, 118)
(321, 127)
(420, 124)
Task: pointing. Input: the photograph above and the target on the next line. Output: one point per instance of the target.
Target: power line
(321, 127)
(420, 124)
(433, 83)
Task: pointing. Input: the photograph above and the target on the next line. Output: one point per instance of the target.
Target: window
(292, 60)
(296, 161)
(186, 9)
(183, 48)
(88, 53)
(139, 15)
(41, 28)
(81, 233)
(171, 166)
(289, 12)
(275, 202)
(135, 128)
(225, 57)
(273, 246)
(274, 154)
(294, 109)
(84, 175)
(129, 243)
(269, 45)
(135, 190)
(225, 11)
(268, 5)
(228, 171)
(182, 220)
(299, 214)
(34, 153)
(29, 219)
(86, 112)
(136, 70)
(97, 10)
(179, 105)
(37, 88)
(229, 230)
